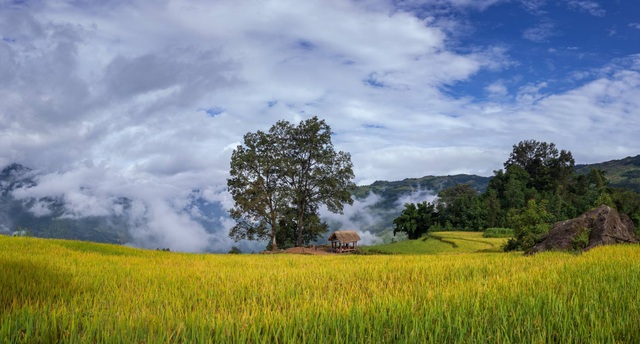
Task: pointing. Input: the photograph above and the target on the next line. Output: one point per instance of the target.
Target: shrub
(498, 233)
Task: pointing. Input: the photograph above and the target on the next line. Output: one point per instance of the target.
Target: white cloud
(534, 6)
(541, 32)
(417, 196)
(589, 6)
(359, 216)
(497, 89)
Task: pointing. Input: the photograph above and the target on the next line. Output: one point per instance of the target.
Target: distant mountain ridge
(622, 173)
(45, 217)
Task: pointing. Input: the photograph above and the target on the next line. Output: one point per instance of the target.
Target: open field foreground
(65, 291)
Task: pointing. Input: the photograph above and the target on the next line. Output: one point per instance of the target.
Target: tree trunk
(274, 246)
(300, 219)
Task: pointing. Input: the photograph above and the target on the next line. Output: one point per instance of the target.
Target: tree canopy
(280, 179)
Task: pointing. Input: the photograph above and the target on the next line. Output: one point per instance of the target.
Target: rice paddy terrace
(75, 292)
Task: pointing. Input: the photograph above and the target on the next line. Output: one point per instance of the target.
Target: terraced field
(441, 243)
(56, 291)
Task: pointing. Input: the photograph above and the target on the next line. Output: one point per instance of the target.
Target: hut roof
(344, 236)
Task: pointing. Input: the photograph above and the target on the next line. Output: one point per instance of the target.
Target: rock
(601, 226)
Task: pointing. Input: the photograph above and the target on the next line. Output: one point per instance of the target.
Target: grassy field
(72, 292)
(441, 243)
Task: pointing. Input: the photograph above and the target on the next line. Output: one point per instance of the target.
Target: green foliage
(290, 167)
(256, 188)
(313, 173)
(235, 250)
(621, 174)
(530, 224)
(580, 241)
(22, 231)
(415, 220)
(460, 208)
(287, 236)
(547, 167)
(536, 188)
(498, 233)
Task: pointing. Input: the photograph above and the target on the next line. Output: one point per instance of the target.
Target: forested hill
(623, 173)
(392, 191)
(391, 195)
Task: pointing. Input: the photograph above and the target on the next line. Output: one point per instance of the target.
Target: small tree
(415, 220)
(530, 224)
(235, 250)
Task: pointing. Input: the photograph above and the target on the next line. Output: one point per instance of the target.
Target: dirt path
(304, 250)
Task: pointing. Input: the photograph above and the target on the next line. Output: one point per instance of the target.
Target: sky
(147, 99)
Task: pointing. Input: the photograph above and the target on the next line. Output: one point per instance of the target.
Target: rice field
(441, 243)
(73, 292)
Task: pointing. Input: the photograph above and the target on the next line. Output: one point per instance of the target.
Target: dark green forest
(538, 186)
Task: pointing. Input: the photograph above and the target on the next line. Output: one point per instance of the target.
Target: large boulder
(601, 226)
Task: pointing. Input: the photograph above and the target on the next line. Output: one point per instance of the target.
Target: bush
(580, 241)
(234, 250)
(530, 225)
(498, 233)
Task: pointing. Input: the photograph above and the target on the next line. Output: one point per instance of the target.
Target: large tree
(314, 173)
(256, 188)
(290, 167)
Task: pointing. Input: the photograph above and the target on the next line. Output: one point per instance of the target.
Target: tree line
(536, 188)
(281, 178)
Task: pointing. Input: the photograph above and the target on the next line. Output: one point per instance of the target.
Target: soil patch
(320, 250)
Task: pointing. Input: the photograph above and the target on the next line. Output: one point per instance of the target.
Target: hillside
(392, 191)
(623, 173)
(390, 197)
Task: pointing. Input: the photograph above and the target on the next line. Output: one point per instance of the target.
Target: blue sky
(552, 42)
(147, 99)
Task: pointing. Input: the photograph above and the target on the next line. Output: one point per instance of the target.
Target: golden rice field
(54, 291)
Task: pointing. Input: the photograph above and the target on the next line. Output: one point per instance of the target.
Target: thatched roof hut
(344, 241)
(344, 236)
